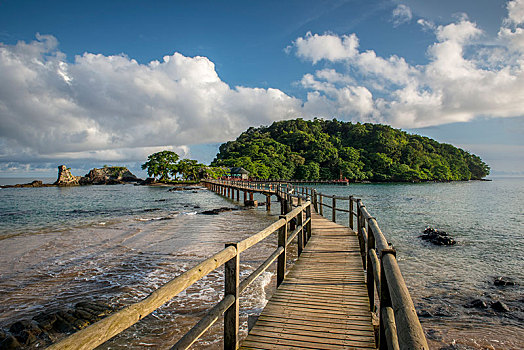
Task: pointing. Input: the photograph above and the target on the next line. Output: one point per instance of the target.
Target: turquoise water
(487, 220)
(62, 245)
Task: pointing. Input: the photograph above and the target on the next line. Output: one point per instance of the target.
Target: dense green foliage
(161, 164)
(331, 149)
(167, 163)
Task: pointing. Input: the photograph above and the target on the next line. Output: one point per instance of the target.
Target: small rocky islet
(108, 175)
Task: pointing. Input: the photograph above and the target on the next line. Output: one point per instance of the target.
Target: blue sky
(88, 83)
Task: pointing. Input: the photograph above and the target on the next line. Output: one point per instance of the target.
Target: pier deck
(323, 301)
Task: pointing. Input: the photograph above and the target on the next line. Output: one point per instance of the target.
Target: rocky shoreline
(50, 326)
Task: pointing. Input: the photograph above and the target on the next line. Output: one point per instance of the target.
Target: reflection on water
(118, 243)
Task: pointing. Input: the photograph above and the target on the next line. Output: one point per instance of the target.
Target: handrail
(398, 322)
(103, 330)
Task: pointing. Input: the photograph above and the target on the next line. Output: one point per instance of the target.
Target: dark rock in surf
(455, 346)
(8, 342)
(499, 306)
(437, 237)
(504, 282)
(217, 211)
(424, 314)
(477, 304)
(39, 331)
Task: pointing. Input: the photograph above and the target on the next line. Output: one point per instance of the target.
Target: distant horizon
(92, 83)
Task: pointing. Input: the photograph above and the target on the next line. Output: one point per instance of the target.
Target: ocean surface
(118, 243)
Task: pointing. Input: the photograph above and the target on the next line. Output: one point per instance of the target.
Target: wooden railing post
(369, 272)
(334, 209)
(308, 216)
(282, 258)
(385, 301)
(320, 205)
(351, 212)
(231, 319)
(300, 220)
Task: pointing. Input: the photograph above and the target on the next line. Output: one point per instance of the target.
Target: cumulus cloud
(114, 108)
(513, 29)
(326, 47)
(401, 14)
(462, 79)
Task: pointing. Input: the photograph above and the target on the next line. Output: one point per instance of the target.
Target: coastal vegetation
(332, 149)
(166, 164)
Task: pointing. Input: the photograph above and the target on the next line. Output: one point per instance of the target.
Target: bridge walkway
(323, 301)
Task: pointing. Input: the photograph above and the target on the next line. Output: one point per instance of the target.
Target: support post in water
(268, 202)
(231, 319)
(281, 262)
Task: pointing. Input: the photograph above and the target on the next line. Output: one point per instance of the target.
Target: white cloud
(513, 29)
(114, 108)
(454, 85)
(328, 47)
(401, 14)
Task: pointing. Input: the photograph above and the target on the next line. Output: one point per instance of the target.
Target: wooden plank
(323, 301)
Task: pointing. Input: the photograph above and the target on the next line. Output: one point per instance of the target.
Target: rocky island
(108, 175)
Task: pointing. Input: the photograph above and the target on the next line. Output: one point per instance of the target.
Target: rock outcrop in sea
(108, 175)
(65, 178)
(437, 237)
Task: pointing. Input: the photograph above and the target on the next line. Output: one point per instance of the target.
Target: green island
(330, 149)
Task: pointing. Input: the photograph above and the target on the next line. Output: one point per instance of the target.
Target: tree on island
(161, 164)
(189, 169)
(167, 163)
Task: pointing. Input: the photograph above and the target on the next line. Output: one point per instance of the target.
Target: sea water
(118, 243)
(486, 218)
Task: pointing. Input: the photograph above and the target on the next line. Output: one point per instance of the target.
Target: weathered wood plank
(323, 301)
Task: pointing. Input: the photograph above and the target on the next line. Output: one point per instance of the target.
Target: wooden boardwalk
(323, 301)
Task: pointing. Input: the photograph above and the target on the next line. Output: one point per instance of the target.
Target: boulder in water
(217, 211)
(504, 281)
(499, 306)
(437, 237)
(477, 303)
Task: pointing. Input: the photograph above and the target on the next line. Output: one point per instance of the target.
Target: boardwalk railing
(293, 224)
(398, 321)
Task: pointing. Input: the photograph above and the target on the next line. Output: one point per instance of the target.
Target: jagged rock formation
(108, 176)
(65, 178)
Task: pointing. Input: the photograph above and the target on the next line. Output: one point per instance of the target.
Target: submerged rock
(437, 237)
(499, 306)
(477, 303)
(217, 211)
(504, 281)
